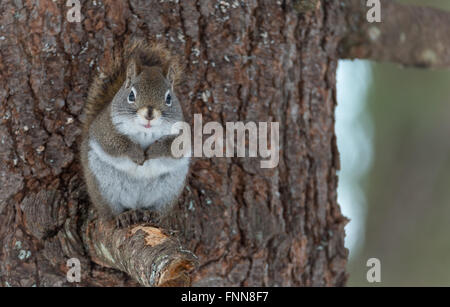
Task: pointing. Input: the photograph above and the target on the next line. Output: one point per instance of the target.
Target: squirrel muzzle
(148, 113)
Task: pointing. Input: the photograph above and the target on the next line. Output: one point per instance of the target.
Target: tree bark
(409, 35)
(256, 61)
(145, 253)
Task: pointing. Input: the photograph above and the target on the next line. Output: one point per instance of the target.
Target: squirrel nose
(149, 114)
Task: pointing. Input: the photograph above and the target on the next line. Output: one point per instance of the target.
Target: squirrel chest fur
(126, 146)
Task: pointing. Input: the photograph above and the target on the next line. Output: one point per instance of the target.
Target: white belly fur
(126, 185)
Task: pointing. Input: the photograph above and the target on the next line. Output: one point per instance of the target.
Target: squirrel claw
(139, 160)
(123, 220)
(150, 217)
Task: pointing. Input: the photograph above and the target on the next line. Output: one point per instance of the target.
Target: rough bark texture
(408, 35)
(245, 61)
(145, 253)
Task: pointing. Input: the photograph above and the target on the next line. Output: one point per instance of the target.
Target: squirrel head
(146, 102)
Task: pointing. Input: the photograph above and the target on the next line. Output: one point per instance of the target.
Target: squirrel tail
(111, 77)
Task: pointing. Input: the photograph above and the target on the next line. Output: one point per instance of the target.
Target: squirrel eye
(168, 99)
(132, 96)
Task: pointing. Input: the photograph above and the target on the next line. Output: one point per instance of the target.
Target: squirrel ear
(171, 76)
(132, 72)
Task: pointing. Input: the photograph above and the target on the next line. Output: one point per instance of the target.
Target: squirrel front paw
(137, 156)
(160, 148)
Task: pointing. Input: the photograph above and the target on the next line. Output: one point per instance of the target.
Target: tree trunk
(261, 61)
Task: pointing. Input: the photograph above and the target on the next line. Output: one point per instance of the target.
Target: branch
(408, 35)
(146, 253)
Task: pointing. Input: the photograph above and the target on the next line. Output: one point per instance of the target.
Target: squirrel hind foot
(133, 217)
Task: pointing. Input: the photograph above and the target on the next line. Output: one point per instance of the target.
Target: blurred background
(393, 129)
